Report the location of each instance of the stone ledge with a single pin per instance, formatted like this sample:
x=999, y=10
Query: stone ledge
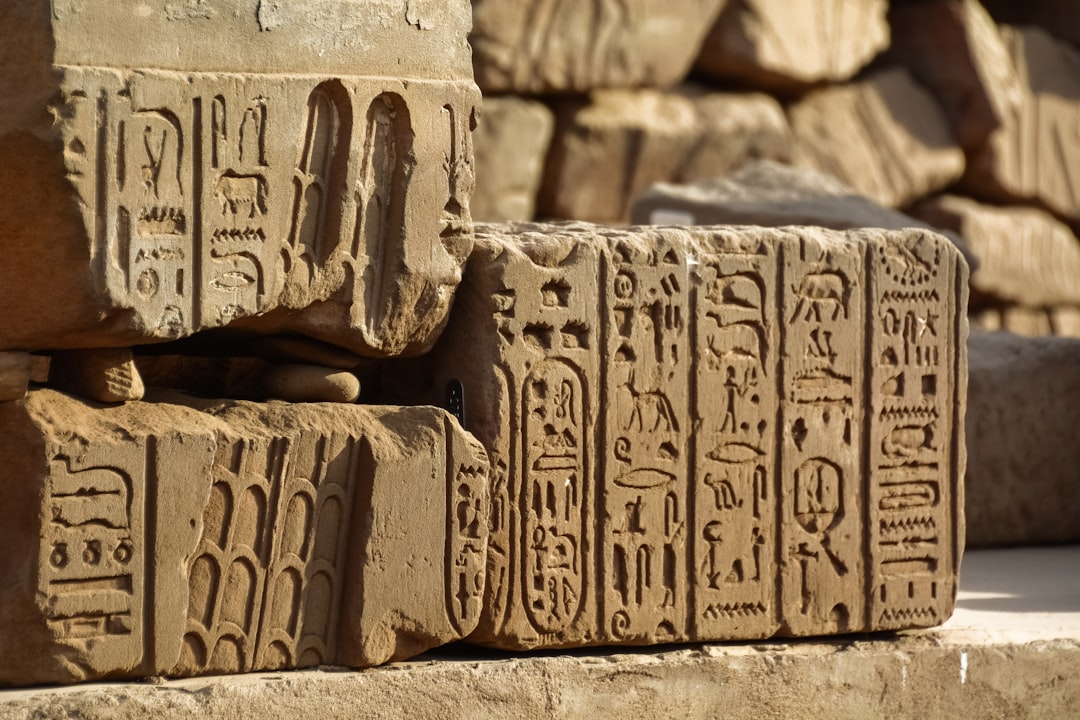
x=1011, y=650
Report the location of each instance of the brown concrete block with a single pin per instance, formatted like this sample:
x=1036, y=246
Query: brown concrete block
x=1025, y=256
x=885, y=136
x=955, y=49
x=713, y=433
x=777, y=45
x=185, y=537
x=304, y=168
x=1034, y=156
x=768, y=193
x=511, y=144
x=611, y=148
x=569, y=46
x=1023, y=472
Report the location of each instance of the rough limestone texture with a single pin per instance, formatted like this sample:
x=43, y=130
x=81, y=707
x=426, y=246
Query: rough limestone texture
x=611, y=148
x=885, y=136
x=186, y=537
x=712, y=433
x=511, y=144
x=561, y=46
x=302, y=167
x=1026, y=256
x=787, y=46
x=1023, y=476
x=955, y=49
x=15, y=372
x=1035, y=156
x=107, y=375
x=769, y=193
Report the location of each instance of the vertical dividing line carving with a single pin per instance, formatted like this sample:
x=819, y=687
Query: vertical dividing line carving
x=778, y=457
x=102, y=186
x=957, y=454
x=150, y=506
x=599, y=477
x=449, y=520
x=196, y=212
x=868, y=426
x=692, y=458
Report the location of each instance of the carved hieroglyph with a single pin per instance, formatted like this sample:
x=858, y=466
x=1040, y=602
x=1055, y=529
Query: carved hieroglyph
x=581, y=45
x=713, y=433
x=187, y=537
x=309, y=172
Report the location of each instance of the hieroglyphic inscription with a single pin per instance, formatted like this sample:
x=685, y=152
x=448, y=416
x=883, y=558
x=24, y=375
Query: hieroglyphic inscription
x=644, y=497
x=227, y=196
x=266, y=582
x=820, y=520
x=467, y=510
x=735, y=492
x=913, y=435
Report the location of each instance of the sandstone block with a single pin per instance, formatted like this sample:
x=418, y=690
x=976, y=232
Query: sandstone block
x=1035, y=156
x=104, y=374
x=1025, y=255
x=768, y=193
x=712, y=433
x=777, y=45
x=511, y=144
x=613, y=147
x=1023, y=466
x=955, y=49
x=885, y=136
x=15, y=372
x=311, y=383
x=304, y=168
x=185, y=537
x=570, y=46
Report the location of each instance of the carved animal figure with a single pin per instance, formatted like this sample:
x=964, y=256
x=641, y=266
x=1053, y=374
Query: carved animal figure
x=235, y=193
x=822, y=291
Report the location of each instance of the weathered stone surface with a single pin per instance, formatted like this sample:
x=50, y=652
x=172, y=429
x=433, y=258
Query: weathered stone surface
x=107, y=375
x=1011, y=650
x=15, y=371
x=184, y=537
x=1025, y=255
x=885, y=136
x=1023, y=477
x=786, y=46
x=768, y=193
x=578, y=46
x=954, y=47
x=613, y=147
x=295, y=167
x=311, y=383
x=712, y=433
x=511, y=144
x=1057, y=17
x=1035, y=156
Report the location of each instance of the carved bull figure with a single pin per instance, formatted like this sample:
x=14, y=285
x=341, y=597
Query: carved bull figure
x=824, y=290
x=235, y=193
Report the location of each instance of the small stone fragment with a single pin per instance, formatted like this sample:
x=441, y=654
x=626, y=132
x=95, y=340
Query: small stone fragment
x=310, y=383
x=768, y=193
x=955, y=49
x=15, y=371
x=788, y=46
x=511, y=145
x=183, y=537
x=108, y=375
x=613, y=147
x=559, y=46
x=1023, y=478
x=712, y=433
x=885, y=136
x=1025, y=256
x=1035, y=156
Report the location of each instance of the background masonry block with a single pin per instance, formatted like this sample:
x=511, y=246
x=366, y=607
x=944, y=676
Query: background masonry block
x=713, y=433
x=304, y=168
x=185, y=537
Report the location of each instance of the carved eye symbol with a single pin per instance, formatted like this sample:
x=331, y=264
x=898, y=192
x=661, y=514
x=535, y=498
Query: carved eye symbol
x=92, y=552
x=59, y=557
x=123, y=552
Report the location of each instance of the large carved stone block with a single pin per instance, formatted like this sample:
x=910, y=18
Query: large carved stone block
x=188, y=537
x=305, y=167
x=713, y=433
